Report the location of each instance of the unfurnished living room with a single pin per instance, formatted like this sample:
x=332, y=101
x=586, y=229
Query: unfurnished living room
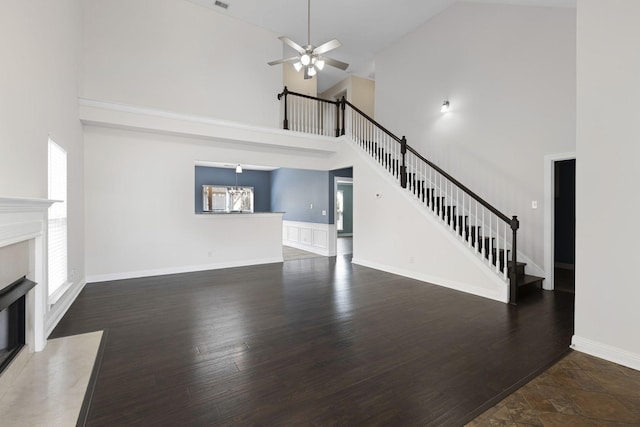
x=315, y=212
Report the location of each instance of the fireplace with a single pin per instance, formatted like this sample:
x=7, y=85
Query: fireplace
x=13, y=319
x=23, y=228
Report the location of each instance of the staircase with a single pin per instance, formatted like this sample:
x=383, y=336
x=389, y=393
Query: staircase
x=490, y=234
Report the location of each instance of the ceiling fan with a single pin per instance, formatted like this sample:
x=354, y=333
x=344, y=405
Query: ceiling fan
x=311, y=58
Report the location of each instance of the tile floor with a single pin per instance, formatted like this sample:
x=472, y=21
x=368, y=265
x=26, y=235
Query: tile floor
x=580, y=390
x=50, y=388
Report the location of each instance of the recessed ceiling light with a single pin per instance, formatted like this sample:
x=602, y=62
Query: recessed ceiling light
x=221, y=4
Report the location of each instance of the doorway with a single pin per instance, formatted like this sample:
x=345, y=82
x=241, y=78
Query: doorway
x=564, y=242
x=344, y=215
x=559, y=219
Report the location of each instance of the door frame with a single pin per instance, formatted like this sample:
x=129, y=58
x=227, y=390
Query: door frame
x=549, y=214
x=336, y=180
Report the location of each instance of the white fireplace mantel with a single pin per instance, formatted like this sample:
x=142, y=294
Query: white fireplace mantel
x=25, y=219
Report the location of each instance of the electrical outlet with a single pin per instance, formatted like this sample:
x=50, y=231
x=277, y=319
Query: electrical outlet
x=412, y=260
x=72, y=275
x=311, y=206
x=324, y=213
x=534, y=204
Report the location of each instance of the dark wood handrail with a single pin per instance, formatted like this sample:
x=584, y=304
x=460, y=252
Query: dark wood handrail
x=462, y=187
x=302, y=95
x=376, y=124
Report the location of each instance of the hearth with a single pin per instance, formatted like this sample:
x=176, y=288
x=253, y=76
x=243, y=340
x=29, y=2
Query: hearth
x=13, y=319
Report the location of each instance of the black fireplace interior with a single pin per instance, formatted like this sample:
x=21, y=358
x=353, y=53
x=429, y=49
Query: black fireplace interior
x=12, y=319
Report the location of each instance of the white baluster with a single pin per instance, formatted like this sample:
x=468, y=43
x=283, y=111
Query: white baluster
x=483, y=234
x=497, y=244
x=294, y=112
x=477, y=232
x=457, y=209
x=504, y=271
x=451, y=208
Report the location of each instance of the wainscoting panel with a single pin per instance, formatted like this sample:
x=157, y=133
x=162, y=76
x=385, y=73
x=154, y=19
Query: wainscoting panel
x=320, y=239
x=309, y=236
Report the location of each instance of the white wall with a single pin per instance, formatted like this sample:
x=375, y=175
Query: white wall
x=360, y=92
x=178, y=56
x=295, y=81
x=40, y=51
x=140, y=204
x=607, y=177
x=509, y=73
x=393, y=232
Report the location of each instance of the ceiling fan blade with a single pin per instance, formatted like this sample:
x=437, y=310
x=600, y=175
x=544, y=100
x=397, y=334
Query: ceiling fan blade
x=326, y=47
x=334, y=62
x=289, y=60
x=291, y=43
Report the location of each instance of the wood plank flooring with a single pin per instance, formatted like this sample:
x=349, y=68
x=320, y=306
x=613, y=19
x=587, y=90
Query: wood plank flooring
x=309, y=342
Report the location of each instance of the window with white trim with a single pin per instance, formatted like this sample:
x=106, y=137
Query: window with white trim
x=57, y=226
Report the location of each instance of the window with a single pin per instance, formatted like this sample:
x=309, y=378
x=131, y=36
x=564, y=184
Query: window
x=57, y=233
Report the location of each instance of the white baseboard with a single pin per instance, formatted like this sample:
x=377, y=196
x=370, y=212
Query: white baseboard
x=607, y=352
x=61, y=306
x=308, y=248
x=501, y=295
x=176, y=270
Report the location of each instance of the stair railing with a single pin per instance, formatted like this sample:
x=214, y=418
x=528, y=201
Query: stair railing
x=309, y=114
x=485, y=229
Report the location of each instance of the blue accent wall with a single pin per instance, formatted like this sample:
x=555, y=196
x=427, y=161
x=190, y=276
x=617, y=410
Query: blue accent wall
x=259, y=180
x=294, y=191
x=342, y=173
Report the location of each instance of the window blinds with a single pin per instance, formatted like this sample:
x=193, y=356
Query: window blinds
x=57, y=232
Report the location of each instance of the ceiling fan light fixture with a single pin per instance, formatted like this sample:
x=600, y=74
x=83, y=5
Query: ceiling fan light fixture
x=310, y=55
x=312, y=71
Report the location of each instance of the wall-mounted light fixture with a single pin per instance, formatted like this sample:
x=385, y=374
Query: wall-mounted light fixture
x=445, y=106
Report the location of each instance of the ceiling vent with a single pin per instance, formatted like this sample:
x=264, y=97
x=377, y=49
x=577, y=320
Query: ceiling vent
x=221, y=4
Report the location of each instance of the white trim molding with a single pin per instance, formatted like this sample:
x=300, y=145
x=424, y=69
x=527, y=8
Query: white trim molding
x=143, y=119
x=607, y=352
x=62, y=304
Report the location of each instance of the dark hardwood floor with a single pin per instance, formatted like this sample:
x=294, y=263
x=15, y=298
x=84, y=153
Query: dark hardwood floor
x=309, y=342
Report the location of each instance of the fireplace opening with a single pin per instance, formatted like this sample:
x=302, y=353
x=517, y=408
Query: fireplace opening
x=13, y=319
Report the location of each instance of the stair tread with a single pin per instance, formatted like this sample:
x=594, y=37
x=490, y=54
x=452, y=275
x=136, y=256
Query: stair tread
x=529, y=279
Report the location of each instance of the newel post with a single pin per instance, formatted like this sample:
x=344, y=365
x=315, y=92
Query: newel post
x=285, y=122
x=513, y=276
x=403, y=167
x=343, y=106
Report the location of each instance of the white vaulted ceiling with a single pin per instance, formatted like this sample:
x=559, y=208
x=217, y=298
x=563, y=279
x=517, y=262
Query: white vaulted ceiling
x=363, y=26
